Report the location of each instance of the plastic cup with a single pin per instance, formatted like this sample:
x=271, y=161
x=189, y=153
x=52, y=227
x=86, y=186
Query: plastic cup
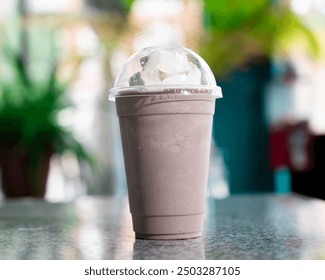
x=165, y=100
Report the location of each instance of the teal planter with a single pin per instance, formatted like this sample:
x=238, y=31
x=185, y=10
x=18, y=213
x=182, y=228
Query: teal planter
x=240, y=130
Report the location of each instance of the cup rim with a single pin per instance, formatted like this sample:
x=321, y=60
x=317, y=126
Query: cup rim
x=168, y=89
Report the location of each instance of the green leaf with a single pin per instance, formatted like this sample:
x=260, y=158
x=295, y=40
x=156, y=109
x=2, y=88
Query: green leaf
x=237, y=32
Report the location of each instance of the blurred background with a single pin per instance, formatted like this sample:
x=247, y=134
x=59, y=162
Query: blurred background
x=59, y=134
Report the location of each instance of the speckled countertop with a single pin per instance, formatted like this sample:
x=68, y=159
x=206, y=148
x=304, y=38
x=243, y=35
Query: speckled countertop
x=240, y=227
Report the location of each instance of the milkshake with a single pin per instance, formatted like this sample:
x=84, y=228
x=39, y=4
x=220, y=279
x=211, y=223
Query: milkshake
x=165, y=100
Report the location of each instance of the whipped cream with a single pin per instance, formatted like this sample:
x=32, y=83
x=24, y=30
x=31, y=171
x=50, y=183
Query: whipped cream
x=163, y=67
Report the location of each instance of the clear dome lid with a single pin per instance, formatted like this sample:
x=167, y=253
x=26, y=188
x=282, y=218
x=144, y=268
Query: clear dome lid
x=165, y=69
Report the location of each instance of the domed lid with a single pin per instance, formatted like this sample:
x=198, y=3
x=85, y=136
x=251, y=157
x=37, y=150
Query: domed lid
x=165, y=69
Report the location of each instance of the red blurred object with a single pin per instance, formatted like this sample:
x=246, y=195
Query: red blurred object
x=291, y=146
x=278, y=148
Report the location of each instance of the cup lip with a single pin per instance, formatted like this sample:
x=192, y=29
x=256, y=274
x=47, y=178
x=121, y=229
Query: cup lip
x=168, y=89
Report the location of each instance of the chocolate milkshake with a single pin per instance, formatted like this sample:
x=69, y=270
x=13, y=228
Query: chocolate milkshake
x=166, y=137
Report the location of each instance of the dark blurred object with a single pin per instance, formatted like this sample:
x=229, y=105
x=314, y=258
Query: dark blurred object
x=311, y=182
x=295, y=147
x=29, y=129
x=240, y=129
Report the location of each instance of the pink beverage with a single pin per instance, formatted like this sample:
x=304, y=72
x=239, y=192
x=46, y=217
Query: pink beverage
x=165, y=114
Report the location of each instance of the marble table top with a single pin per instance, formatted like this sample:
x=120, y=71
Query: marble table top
x=260, y=226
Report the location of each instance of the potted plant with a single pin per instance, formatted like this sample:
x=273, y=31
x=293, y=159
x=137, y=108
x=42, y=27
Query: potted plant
x=29, y=130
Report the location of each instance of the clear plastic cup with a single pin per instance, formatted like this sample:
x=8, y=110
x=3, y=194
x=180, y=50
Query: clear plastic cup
x=165, y=99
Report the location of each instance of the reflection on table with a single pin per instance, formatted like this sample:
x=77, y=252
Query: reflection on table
x=239, y=227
